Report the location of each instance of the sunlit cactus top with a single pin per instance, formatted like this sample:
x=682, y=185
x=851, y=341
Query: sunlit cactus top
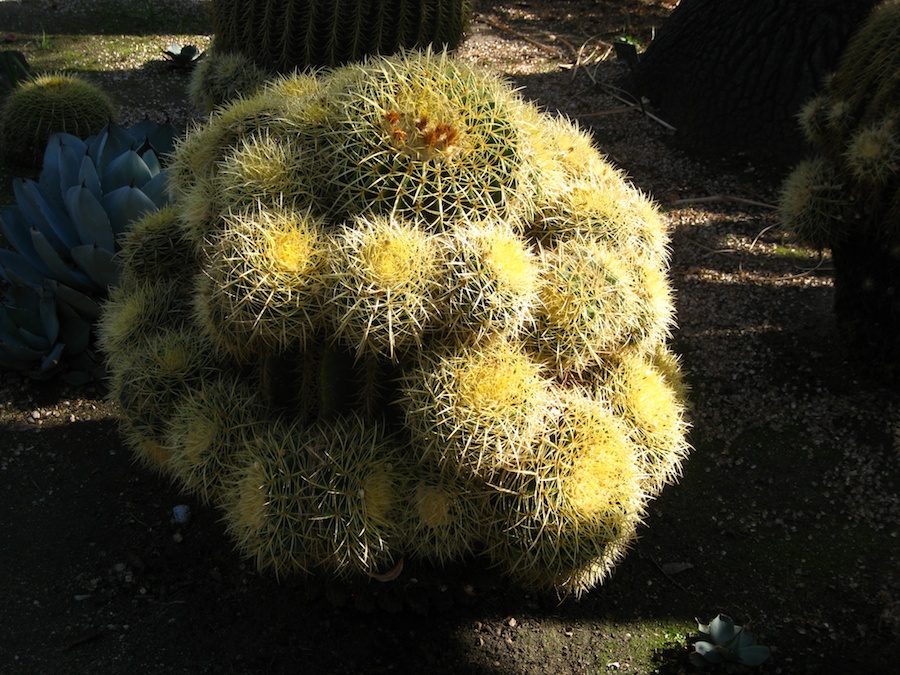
x=409, y=316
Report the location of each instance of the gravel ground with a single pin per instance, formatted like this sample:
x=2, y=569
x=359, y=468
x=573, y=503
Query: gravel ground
x=788, y=512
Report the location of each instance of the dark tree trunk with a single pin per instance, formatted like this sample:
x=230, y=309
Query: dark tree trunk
x=731, y=75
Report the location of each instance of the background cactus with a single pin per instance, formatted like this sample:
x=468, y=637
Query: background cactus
x=846, y=197
x=283, y=35
x=38, y=108
x=222, y=76
x=259, y=39
x=64, y=232
x=404, y=382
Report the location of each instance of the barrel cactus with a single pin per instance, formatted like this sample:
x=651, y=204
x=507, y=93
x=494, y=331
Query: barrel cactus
x=40, y=107
x=394, y=310
x=221, y=77
x=846, y=196
x=267, y=37
x=282, y=35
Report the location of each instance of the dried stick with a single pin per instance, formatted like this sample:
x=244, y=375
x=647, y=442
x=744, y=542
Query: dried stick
x=721, y=198
x=522, y=36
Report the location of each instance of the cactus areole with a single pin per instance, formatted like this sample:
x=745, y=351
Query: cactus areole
x=396, y=311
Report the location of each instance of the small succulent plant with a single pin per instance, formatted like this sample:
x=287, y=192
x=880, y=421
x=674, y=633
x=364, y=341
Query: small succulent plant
x=725, y=644
x=64, y=233
x=64, y=225
x=182, y=56
x=36, y=331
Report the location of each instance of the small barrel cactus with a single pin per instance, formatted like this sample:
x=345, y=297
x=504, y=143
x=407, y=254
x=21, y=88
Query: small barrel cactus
x=394, y=310
x=846, y=196
x=221, y=77
x=38, y=108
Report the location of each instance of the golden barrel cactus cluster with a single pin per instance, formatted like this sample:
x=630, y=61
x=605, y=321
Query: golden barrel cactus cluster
x=396, y=311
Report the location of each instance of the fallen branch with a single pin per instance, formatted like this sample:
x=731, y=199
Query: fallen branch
x=522, y=36
x=721, y=198
x=632, y=105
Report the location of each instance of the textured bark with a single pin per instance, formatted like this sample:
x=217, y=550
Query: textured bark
x=731, y=75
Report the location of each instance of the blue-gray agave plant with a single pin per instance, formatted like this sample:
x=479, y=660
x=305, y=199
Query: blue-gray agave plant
x=64, y=231
x=36, y=332
x=723, y=643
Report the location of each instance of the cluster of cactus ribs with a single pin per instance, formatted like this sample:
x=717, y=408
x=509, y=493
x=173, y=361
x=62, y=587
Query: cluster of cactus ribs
x=393, y=310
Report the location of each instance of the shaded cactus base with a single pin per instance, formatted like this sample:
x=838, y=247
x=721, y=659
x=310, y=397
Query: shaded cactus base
x=439, y=331
x=847, y=196
x=867, y=302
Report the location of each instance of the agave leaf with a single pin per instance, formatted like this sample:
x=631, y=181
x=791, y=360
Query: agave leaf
x=710, y=652
x=151, y=160
x=98, y=263
x=61, y=148
x=16, y=270
x=49, y=317
x=52, y=200
x=24, y=338
x=744, y=638
x=84, y=305
x=18, y=233
x=30, y=315
x=38, y=213
x=754, y=655
x=74, y=330
x=112, y=142
x=90, y=218
x=126, y=169
x=721, y=629
x=163, y=139
x=141, y=131
x=61, y=271
x=70, y=168
x=49, y=364
x=64, y=151
x=18, y=357
x=89, y=178
x=11, y=333
x=126, y=205
x=157, y=189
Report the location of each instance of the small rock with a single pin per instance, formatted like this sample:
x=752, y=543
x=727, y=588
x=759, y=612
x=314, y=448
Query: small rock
x=181, y=513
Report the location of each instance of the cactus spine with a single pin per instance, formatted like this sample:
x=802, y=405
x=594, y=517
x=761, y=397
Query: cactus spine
x=447, y=329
